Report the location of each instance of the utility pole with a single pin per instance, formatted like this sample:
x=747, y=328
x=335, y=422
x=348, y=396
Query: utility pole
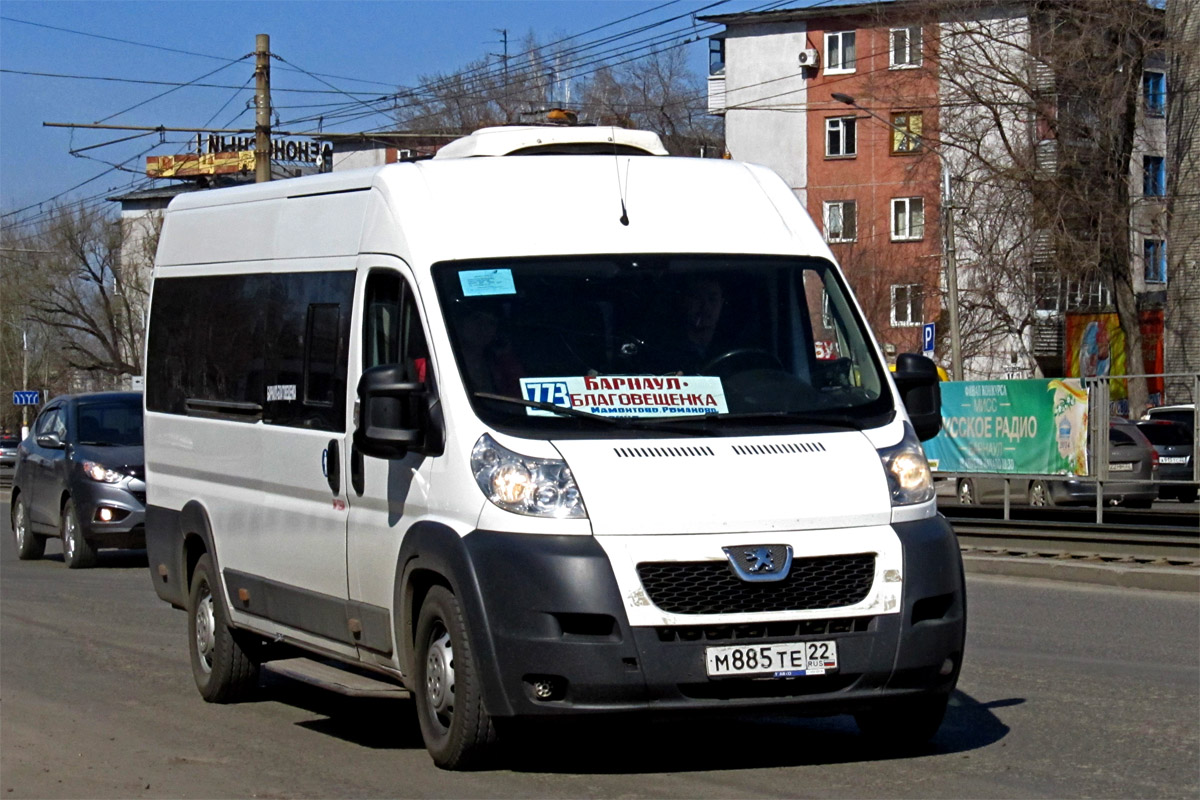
x=504, y=38
x=262, y=106
x=24, y=381
x=956, y=368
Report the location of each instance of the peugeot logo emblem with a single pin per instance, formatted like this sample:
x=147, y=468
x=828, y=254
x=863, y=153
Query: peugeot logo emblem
x=760, y=562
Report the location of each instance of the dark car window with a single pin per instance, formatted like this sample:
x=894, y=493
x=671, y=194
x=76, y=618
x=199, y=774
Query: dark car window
x=110, y=422
x=1119, y=437
x=9, y=441
x=1166, y=434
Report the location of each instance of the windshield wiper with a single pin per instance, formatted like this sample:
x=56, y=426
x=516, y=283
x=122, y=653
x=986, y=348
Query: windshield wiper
x=808, y=417
x=566, y=411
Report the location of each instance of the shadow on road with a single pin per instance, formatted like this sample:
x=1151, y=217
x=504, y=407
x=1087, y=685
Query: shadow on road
x=112, y=559
x=633, y=744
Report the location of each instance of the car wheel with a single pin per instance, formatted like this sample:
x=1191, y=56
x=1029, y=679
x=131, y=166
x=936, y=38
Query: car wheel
x=966, y=492
x=906, y=722
x=1187, y=495
x=457, y=730
x=77, y=552
x=1039, y=494
x=1141, y=504
x=30, y=546
x=223, y=670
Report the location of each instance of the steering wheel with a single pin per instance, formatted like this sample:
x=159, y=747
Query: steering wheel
x=732, y=361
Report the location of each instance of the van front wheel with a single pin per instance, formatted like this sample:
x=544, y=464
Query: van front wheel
x=457, y=730
x=223, y=671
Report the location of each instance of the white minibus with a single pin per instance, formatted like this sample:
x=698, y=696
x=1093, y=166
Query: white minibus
x=547, y=426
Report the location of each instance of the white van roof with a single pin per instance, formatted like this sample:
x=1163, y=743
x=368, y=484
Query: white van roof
x=545, y=139
x=474, y=208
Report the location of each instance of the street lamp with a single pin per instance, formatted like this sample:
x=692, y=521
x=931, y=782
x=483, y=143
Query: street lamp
x=947, y=212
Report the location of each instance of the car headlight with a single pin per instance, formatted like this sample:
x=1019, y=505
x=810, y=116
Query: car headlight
x=908, y=474
x=101, y=473
x=537, y=487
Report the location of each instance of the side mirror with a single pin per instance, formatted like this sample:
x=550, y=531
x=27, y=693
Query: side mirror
x=918, y=382
x=393, y=412
x=50, y=441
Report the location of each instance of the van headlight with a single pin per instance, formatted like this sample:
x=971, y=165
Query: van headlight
x=537, y=487
x=101, y=473
x=909, y=478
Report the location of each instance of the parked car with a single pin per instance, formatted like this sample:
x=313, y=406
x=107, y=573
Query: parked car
x=1176, y=457
x=1184, y=413
x=1132, y=468
x=80, y=475
x=8, y=456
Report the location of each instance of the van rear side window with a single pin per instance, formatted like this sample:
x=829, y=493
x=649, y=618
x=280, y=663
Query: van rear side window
x=278, y=341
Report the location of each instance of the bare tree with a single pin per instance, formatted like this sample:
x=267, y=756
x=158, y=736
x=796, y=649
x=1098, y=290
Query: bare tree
x=1039, y=114
x=657, y=92
x=86, y=299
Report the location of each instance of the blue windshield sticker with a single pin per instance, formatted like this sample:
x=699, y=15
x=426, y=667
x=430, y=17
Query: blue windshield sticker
x=481, y=282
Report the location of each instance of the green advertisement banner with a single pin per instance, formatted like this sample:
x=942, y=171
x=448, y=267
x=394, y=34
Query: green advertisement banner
x=1035, y=427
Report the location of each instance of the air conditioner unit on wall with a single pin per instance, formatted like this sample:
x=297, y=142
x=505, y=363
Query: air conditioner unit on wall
x=810, y=58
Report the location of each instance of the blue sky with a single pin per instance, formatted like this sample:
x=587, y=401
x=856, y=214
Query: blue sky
x=366, y=47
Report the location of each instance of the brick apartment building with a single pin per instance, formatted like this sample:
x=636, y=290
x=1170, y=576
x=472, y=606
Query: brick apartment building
x=855, y=106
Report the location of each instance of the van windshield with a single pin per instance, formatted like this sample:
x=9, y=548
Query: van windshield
x=660, y=341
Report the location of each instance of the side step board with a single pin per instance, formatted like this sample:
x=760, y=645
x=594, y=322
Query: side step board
x=336, y=679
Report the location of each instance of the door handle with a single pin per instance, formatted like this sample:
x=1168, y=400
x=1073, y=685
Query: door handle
x=333, y=467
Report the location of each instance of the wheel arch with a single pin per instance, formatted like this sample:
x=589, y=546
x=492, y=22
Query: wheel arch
x=433, y=554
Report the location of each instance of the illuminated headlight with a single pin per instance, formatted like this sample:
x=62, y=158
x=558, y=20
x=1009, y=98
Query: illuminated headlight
x=909, y=478
x=537, y=487
x=101, y=473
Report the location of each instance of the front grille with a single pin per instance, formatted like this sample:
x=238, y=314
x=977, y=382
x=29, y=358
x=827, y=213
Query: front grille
x=711, y=587
x=779, y=630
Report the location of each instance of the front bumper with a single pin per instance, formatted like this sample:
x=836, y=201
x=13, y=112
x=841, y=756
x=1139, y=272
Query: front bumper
x=555, y=617
x=125, y=502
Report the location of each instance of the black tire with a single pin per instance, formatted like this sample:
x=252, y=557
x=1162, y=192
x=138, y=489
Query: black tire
x=223, y=671
x=966, y=492
x=30, y=546
x=1187, y=495
x=1040, y=494
x=1141, y=504
x=78, y=552
x=904, y=723
x=458, y=731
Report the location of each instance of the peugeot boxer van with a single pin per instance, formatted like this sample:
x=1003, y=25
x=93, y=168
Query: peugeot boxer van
x=549, y=425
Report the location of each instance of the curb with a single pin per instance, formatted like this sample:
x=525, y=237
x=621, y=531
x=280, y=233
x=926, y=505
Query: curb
x=1126, y=576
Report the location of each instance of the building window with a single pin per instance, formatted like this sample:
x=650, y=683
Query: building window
x=839, y=51
x=716, y=56
x=840, y=139
x=1154, y=176
x=908, y=218
x=906, y=305
x=906, y=47
x=841, y=221
x=1154, y=91
x=906, y=132
x=1155, y=251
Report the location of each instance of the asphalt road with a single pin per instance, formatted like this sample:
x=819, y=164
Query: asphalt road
x=1067, y=691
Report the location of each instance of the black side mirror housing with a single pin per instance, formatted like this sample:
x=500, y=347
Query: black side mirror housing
x=51, y=441
x=918, y=382
x=393, y=415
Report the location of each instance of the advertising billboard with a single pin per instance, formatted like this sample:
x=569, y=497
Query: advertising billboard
x=1096, y=347
x=1027, y=427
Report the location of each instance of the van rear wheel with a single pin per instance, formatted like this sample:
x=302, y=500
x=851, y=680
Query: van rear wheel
x=224, y=672
x=458, y=731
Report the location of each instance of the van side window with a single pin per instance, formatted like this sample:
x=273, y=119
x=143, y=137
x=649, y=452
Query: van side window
x=392, y=326
x=279, y=341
